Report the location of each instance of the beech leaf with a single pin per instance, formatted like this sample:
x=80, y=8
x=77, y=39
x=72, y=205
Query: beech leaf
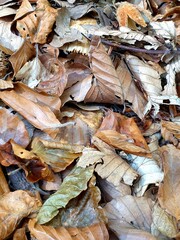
x=14, y=206
x=168, y=193
x=72, y=186
x=92, y=232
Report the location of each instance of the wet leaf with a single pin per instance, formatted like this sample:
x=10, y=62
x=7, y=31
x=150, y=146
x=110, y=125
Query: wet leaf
x=10, y=216
x=71, y=187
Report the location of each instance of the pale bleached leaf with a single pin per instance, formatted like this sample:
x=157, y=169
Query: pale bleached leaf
x=165, y=29
x=130, y=217
x=7, y=38
x=148, y=77
x=128, y=35
x=32, y=73
x=171, y=69
x=149, y=171
x=163, y=222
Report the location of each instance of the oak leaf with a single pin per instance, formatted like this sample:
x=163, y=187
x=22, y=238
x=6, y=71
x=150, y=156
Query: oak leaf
x=14, y=206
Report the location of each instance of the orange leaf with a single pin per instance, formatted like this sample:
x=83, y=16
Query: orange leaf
x=127, y=10
x=93, y=232
x=14, y=206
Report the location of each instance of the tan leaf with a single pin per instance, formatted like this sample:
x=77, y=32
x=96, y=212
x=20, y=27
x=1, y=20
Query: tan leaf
x=168, y=193
x=57, y=158
x=170, y=132
x=37, y=24
x=6, y=84
x=11, y=127
x=93, y=232
x=25, y=53
x=56, y=84
x=20, y=234
x=14, y=206
x=127, y=10
x=24, y=9
x=121, y=141
x=164, y=222
x=106, y=86
x=131, y=92
x=148, y=170
x=53, y=102
x=9, y=41
x=148, y=79
x=4, y=188
x=39, y=116
x=130, y=217
x=112, y=167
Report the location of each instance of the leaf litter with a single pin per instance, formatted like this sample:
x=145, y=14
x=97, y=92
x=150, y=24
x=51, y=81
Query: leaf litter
x=90, y=119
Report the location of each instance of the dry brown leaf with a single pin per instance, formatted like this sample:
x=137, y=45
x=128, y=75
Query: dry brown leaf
x=11, y=127
x=131, y=93
x=53, y=102
x=4, y=188
x=20, y=234
x=93, y=232
x=39, y=116
x=121, y=141
x=14, y=206
x=126, y=12
x=25, y=53
x=6, y=84
x=164, y=222
x=168, y=193
x=123, y=125
x=171, y=132
x=130, y=217
x=57, y=83
x=112, y=166
x=55, y=154
x=34, y=168
x=36, y=25
x=106, y=87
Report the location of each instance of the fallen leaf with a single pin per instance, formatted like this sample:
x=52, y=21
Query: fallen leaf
x=25, y=53
x=12, y=128
x=106, y=87
x=82, y=211
x=71, y=187
x=130, y=217
x=4, y=188
x=35, y=25
x=148, y=170
x=20, y=233
x=121, y=141
x=39, y=116
x=164, y=222
x=56, y=156
x=168, y=190
x=14, y=206
x=170, y=132
x=109, y=165
x=127, y=11
x=93, y=232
